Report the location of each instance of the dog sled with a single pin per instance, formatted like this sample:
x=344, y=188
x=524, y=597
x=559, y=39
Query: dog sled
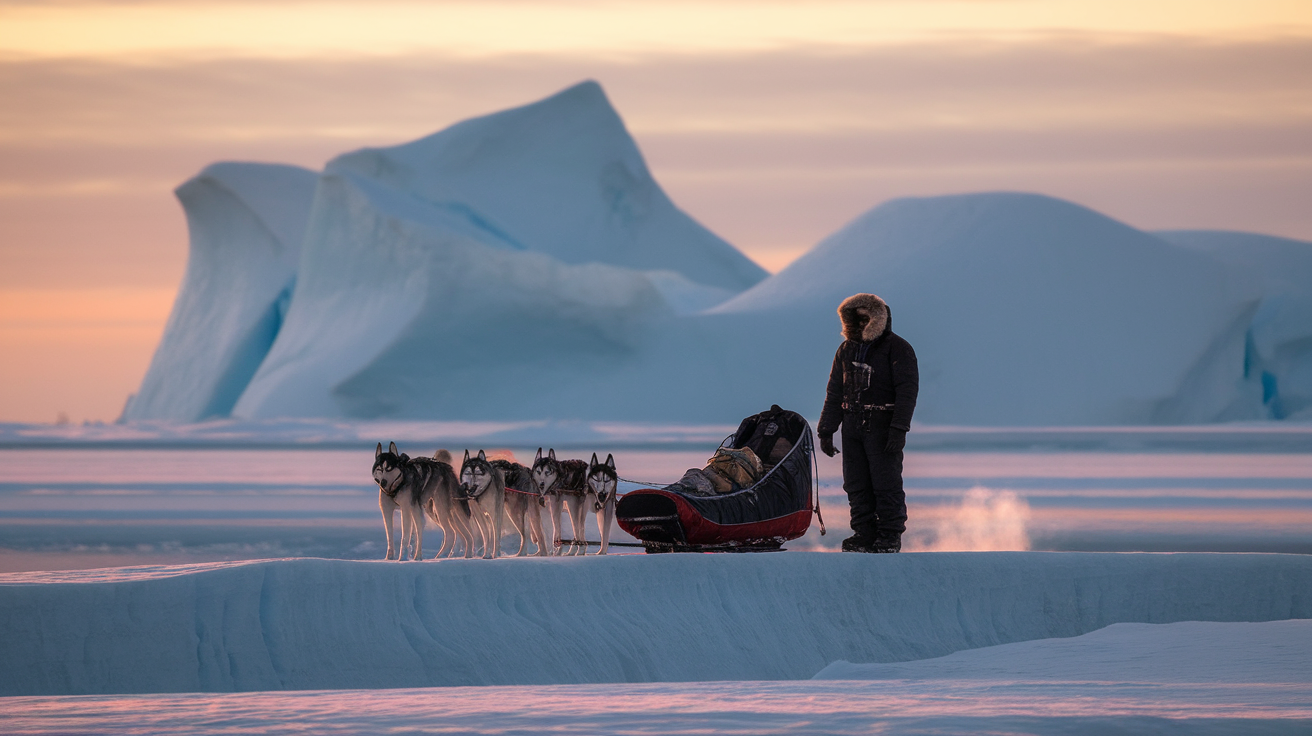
x=777, y=507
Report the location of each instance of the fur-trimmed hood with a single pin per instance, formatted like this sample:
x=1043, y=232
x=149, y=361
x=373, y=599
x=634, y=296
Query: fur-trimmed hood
x=864, y=308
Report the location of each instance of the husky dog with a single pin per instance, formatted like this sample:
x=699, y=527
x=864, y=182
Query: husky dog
x=522, y=505
x=563, y=480
x=602, y=484
x=418, y=486
x=485, y=491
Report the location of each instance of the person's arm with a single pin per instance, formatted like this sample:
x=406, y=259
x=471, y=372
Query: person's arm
x=906, y=388
x=831, y=416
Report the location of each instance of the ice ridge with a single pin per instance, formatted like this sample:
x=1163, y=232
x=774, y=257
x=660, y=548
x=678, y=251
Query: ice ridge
x=313, y=624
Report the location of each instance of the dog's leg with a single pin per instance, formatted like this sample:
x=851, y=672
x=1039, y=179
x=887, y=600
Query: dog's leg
x=604, y=519
x=475, y=533
x=466, y=525
x=407, y=528
x=467, y=529
x=436, y=514
x=574, y=505
x=449, y=534
x=499, y=504
x=582, y=534
x=553, y=515
x=484, y=527
x=535, y=527
x=418, y=513
x=490, y=524
x=476, y=527
x=387, y=506
x=516, y=511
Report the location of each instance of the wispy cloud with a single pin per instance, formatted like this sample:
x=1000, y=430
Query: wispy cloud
x=614, y=29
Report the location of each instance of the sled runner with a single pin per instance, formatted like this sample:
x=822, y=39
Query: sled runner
x=760, y=517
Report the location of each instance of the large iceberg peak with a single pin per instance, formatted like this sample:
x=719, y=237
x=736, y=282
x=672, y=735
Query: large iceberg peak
x=561, y=176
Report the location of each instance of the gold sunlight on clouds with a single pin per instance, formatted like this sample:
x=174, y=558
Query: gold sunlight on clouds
x=594, y=28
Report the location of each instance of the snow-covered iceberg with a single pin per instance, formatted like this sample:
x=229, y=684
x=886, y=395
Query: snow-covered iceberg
x=246, y=223
x=1279, y=340
x=525, y=266
x=1023, y=309
x=310, y=624
x=512, y=265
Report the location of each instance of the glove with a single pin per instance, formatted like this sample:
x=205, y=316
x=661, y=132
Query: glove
x=827, y=445
x=897, y=439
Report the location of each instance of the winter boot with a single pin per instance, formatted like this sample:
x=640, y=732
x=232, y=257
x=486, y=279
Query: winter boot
x=886, y=542
x=857, y=543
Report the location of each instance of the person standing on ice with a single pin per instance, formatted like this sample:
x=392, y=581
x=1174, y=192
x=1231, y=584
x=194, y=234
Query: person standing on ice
x=872, y=393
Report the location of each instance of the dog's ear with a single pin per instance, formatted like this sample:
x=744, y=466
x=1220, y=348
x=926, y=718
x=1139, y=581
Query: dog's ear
x=552, y=453
x=610, y=460
x=466, y=454
x=539, y=456
x=594, y=460
x=391, y=447
x=378, y=451
x=482, y=456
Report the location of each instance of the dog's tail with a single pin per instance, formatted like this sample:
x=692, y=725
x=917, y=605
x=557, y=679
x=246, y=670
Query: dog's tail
x=442, y=456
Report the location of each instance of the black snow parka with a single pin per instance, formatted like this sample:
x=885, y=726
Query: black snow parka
x=894, y=379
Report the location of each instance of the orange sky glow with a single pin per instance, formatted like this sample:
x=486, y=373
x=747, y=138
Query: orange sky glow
x=773, y=123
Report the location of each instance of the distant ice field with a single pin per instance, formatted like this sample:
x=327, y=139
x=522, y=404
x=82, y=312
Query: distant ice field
x=939, y=707
x=85, y=502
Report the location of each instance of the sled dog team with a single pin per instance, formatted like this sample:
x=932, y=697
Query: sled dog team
x=470, y=507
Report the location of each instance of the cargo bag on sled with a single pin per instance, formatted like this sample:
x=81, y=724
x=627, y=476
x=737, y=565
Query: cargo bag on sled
x=773, y=509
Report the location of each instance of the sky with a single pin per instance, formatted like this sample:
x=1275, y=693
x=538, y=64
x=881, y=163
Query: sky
x=772, y=123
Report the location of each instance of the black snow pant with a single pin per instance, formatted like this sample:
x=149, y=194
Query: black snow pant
x=873, y=478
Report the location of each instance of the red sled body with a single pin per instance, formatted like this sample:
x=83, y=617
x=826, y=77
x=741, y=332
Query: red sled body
x=771, y=511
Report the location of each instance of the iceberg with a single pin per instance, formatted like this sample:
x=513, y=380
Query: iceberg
x=1279, y=340
x=525, y=266
x=246, y=222
x=512, y=265
x=1023, y=310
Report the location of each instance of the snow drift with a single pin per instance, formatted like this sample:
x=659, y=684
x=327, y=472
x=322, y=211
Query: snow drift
x=246, y=223
x=1189, y=651
x=309, y=624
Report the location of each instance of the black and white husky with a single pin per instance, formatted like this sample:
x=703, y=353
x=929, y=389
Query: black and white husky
x=485, y=491
x=563, y=482
x=418, y=487
x=522, y=506
x=602, y=486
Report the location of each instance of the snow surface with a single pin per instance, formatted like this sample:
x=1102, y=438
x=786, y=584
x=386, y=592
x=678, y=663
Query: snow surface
x=1279, y=340
x=309, y=624
x=246, y=223
x=1269, y=436
x=1191, y=651
x=831, y=707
